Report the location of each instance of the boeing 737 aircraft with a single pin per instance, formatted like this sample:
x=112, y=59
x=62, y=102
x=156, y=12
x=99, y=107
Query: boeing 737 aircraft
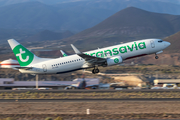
x=113, y=55
x=63, y=53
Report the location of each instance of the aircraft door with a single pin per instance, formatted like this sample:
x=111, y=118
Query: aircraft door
x=152, y=44
x=44, y=68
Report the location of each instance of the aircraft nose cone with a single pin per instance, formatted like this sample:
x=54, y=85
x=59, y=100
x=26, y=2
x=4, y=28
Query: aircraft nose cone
x=167, y=43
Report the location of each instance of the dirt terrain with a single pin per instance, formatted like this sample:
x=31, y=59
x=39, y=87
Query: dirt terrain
x=98, y=110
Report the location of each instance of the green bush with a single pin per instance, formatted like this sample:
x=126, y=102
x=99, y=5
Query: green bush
x=59, y=118
x=28, y=92
x=48, y=118
x=9, y=118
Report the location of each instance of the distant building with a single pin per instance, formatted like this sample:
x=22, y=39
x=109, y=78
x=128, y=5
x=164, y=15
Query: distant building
x=160, y=82
x=9, y=83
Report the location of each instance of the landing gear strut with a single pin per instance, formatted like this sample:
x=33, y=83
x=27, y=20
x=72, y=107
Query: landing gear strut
x=95, y=70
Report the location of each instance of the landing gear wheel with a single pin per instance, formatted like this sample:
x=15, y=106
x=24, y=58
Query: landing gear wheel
x=97, y=70
x=94, y=71
x=156, y=57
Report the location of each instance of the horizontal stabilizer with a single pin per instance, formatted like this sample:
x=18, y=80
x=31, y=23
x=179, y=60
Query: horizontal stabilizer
x=25, y=68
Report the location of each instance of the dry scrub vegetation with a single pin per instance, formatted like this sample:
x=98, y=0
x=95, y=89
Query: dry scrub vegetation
x=92, y=95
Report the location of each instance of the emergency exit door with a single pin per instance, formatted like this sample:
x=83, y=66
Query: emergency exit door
x=152, y=44
x=44, y=68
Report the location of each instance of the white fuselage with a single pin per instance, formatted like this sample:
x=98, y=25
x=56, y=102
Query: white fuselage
x=75, y=62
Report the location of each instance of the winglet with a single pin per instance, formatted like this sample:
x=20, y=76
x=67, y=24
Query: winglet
x=75, y=49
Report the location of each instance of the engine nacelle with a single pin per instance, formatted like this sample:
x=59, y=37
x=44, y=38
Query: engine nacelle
x=114, y=60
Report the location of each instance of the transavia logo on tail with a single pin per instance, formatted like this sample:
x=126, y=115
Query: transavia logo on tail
x=23, y=56
x=116, y=60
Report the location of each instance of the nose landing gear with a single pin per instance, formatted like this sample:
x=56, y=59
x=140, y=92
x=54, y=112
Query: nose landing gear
x=156, y=57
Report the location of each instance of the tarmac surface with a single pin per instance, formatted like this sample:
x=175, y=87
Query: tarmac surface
x=89, y=91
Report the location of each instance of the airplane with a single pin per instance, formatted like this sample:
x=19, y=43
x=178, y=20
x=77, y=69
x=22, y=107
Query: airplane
x=108, y=56
x=63, y=53
x=81, y=83
x=10, y=63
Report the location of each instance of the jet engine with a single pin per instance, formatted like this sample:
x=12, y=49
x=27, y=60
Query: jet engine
x=114, y=60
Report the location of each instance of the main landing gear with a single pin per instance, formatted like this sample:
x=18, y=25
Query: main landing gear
x=95, y=70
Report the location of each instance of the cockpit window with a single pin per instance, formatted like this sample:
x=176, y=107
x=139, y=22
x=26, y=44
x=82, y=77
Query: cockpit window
x=160, y=41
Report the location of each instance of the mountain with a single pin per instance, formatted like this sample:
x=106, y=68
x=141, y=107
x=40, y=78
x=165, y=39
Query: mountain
x=73, y=15
x=18, y=34
x=48, y=2
x=175, y=43
x=127, y=25
x=51, y=2
x=85, y=14
x=32, y=15
x=49, y=35
x=168, y=1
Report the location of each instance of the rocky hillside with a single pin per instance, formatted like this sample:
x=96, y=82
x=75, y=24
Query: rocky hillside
x=175, y=43
x=49, y=35
x=127, y=25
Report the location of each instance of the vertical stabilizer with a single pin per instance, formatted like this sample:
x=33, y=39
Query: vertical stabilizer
x=23, y=55
x=63, y=53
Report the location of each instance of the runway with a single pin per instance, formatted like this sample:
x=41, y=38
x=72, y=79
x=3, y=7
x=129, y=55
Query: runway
x=91, y=91
x=89, y=100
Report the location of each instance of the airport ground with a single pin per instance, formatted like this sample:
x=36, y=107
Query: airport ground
x=149, y=108
x=73, y=105
x=162, y=71
x=110, y=110
x=90, y=94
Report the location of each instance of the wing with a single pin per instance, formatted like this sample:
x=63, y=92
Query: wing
x=91, y=60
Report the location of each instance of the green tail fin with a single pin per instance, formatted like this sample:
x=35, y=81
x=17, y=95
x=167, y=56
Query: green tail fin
x=23, y=55
x=63, y=53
